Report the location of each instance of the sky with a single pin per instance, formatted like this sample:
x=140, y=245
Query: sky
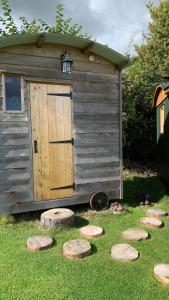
x=111, y=22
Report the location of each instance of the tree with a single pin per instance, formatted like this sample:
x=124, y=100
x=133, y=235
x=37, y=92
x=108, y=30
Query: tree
x=61, y=26
x=147, y=69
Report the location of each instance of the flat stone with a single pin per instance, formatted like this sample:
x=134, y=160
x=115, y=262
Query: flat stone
x=135, y=234
x=151, y=222
x=124, y=252
x=76, y=249
x=37, y=243
x=91, y=231
x=56, y=217
x=161, y=273
x=155, y=212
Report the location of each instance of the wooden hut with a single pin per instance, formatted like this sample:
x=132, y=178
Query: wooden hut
x=60, y=121
x=161, y=103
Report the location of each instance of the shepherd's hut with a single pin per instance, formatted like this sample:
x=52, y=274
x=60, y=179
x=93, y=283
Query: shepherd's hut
x=161, y=103
x=60, y=122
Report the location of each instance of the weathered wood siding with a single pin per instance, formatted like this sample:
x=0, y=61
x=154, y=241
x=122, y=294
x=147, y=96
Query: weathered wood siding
x=15, y=156
x=96, y=118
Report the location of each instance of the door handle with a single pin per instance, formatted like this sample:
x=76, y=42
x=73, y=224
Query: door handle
x=35, y=146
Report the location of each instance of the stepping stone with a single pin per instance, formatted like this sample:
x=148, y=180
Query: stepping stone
x=161, y=273
x=124, y=252
x=37, y=243
x=135, y=234
x=91, y=231
x=58, y=216
x=76, y=249
x=155, y=212
x=151, y=222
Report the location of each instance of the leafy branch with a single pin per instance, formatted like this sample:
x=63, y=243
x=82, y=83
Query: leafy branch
x=61, y=26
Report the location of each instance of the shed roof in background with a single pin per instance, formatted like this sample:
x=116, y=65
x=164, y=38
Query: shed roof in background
x=161, y=93
x=68, y=40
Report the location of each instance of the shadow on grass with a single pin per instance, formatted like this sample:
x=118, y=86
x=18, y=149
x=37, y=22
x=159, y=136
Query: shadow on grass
x=27, y=216
x=94, y=249
x=35, y=215
x=133, y=185
x=80, y=222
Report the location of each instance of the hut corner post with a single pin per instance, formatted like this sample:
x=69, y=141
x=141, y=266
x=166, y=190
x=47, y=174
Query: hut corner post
x=121, y=135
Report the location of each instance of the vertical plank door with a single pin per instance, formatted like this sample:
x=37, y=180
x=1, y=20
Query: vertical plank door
x=51, y=118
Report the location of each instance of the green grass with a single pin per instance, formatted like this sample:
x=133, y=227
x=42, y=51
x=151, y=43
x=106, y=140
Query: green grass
x=47, y=275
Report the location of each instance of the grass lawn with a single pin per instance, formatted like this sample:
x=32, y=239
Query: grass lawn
x=47, y=275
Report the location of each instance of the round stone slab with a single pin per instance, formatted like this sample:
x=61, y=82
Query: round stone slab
x=151, y=222
x=161, y=273
x=91, y=231
x=58, y=216
x=76, y=249
x=135, y=234
x=36, y=243
x=124, y=252
x=155, y=212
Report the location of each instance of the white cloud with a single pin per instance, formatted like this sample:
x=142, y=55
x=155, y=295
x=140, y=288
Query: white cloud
x=111, y=22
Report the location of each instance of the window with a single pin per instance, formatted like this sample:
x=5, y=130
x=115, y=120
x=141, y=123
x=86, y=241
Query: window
x=13, y=93
x=162, y=119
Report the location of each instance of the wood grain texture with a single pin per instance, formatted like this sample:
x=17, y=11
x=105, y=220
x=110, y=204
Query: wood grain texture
x=96, y=167
x=97, y=148
x=80, y=97
x=53, y=162
x=96, y=121
x=15, y=206
x=95, y=108
x=15, y=176
x=14, y=139
x=96, y=128
x=14, y=151
x=51, y=51
x=80, y=118
x=97, y=186
x=96, y=138
x=13, y=127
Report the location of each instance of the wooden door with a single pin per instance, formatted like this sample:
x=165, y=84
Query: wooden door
x=51, y=117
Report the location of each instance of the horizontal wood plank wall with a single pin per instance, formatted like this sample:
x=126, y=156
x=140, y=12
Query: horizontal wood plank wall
x=96, y=112
x=15, y=157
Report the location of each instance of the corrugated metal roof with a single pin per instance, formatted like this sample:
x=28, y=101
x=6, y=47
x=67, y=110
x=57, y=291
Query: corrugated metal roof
x=68, y=40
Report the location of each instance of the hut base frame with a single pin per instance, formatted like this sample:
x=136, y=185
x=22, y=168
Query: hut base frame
x=48, y=204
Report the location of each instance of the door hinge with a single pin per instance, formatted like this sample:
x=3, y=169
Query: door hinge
x=63, y=142
x=64, y=187
x=61, y=94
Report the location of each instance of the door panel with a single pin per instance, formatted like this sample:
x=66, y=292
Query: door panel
x=51, y=123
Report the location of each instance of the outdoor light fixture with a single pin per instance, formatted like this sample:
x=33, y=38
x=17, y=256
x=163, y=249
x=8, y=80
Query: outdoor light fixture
x=91, y=58
x=66, y=63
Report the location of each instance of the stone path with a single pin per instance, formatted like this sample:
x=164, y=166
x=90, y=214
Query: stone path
x=36, y=243
x=76, y=249
x=58, y=216
x=124, y=252
x=161, y=273
x=135, y=234
x=91, y=231
x=151, y=222
x=155, y=212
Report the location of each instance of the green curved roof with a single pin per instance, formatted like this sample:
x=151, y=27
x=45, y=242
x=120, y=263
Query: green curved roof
x=68, y=40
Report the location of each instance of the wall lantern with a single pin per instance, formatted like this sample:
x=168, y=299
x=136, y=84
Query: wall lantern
x=66, y=63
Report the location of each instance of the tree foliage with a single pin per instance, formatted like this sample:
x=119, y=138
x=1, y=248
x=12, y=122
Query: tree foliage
x=147, y=69
x=61, y=26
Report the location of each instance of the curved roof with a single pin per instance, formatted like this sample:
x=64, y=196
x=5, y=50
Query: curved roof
x=68, y=40
x=161, y=93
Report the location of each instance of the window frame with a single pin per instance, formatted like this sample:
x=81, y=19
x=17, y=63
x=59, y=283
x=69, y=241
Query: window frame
x=162, y=118
x=4, y=94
